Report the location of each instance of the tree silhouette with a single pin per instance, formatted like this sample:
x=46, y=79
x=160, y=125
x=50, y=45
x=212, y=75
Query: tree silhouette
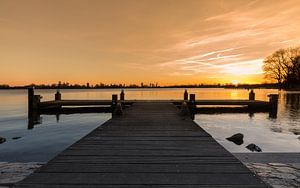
x=284, y=67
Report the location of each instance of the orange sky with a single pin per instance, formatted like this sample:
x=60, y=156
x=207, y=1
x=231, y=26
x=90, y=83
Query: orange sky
x=133, y=41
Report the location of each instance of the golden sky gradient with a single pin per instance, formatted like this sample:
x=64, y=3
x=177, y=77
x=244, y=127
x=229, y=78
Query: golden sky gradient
x=133, y=41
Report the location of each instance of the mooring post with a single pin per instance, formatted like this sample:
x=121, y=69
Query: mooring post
x=114, y=101
x=122, y=95
x=30, y=101
x=57, y=95
x=185, y=95
x=184, y=110
x=273, y=100
x=33, y=108
x=252, y=95
x=33, y=102
x=192, y=105
x=118, y=111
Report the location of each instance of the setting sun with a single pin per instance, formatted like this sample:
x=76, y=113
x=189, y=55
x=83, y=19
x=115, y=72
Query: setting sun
x=235, y=82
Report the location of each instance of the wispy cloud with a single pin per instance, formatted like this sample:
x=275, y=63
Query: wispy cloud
x=246, y=35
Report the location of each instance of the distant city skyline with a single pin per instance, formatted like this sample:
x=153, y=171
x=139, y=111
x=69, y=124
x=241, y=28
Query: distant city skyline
x=132, y=41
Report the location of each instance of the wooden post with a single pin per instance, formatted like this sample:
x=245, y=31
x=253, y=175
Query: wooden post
x=192, y=98
x=30, y=101
x=122, y=95
x=273, y=100
x=252, y=95
x=33, y=108
x=114, y=101
x=185, y=95
x=57, y=95
x=192, y=105
x=184, y=110
x=33, y=102
x=36, y=102
x=118, y=111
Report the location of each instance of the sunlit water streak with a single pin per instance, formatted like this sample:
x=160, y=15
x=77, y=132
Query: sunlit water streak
x=49, y=138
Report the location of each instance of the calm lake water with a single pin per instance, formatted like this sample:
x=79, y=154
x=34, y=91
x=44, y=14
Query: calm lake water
x=50, y=137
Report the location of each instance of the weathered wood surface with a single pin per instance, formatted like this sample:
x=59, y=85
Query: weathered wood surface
x=150, y=146
x=109, y=102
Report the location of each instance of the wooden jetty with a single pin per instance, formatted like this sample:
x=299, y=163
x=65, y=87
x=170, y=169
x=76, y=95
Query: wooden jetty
x=148, y=145
x=35, y=105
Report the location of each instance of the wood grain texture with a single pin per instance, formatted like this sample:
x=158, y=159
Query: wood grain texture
x=149, y=146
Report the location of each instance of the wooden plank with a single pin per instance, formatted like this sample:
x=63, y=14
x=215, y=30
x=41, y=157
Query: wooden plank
x=231, y=102
x=142, y=178
x=113, y=159
x=146, y=143
x=137, y=186
x=146, y=138
x=140, y=168
x=80, y=102
x=150, y=146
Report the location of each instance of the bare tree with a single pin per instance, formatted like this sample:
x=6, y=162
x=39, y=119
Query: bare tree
x=283, y=66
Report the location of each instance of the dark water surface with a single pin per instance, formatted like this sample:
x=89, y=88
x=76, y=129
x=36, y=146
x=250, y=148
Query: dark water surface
x=46, y=140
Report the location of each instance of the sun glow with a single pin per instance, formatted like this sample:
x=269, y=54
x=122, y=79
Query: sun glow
x=235, y=82
x=109, y=42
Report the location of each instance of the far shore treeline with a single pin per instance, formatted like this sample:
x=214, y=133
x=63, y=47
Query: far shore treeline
x=105, y=86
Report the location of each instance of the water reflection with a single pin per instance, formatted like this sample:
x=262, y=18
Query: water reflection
x=292, y=108
x=45, y=141
x=270, y=134
x=36, y=118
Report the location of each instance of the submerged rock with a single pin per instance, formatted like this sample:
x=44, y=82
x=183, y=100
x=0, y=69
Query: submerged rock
x=15, y=138
x=253, y=147
x=2, y=140
x=237, y=138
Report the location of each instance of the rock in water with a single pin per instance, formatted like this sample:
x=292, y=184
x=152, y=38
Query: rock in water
x=15, y=138
x=253, y=147
x=2, y=140
x=237, y=138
